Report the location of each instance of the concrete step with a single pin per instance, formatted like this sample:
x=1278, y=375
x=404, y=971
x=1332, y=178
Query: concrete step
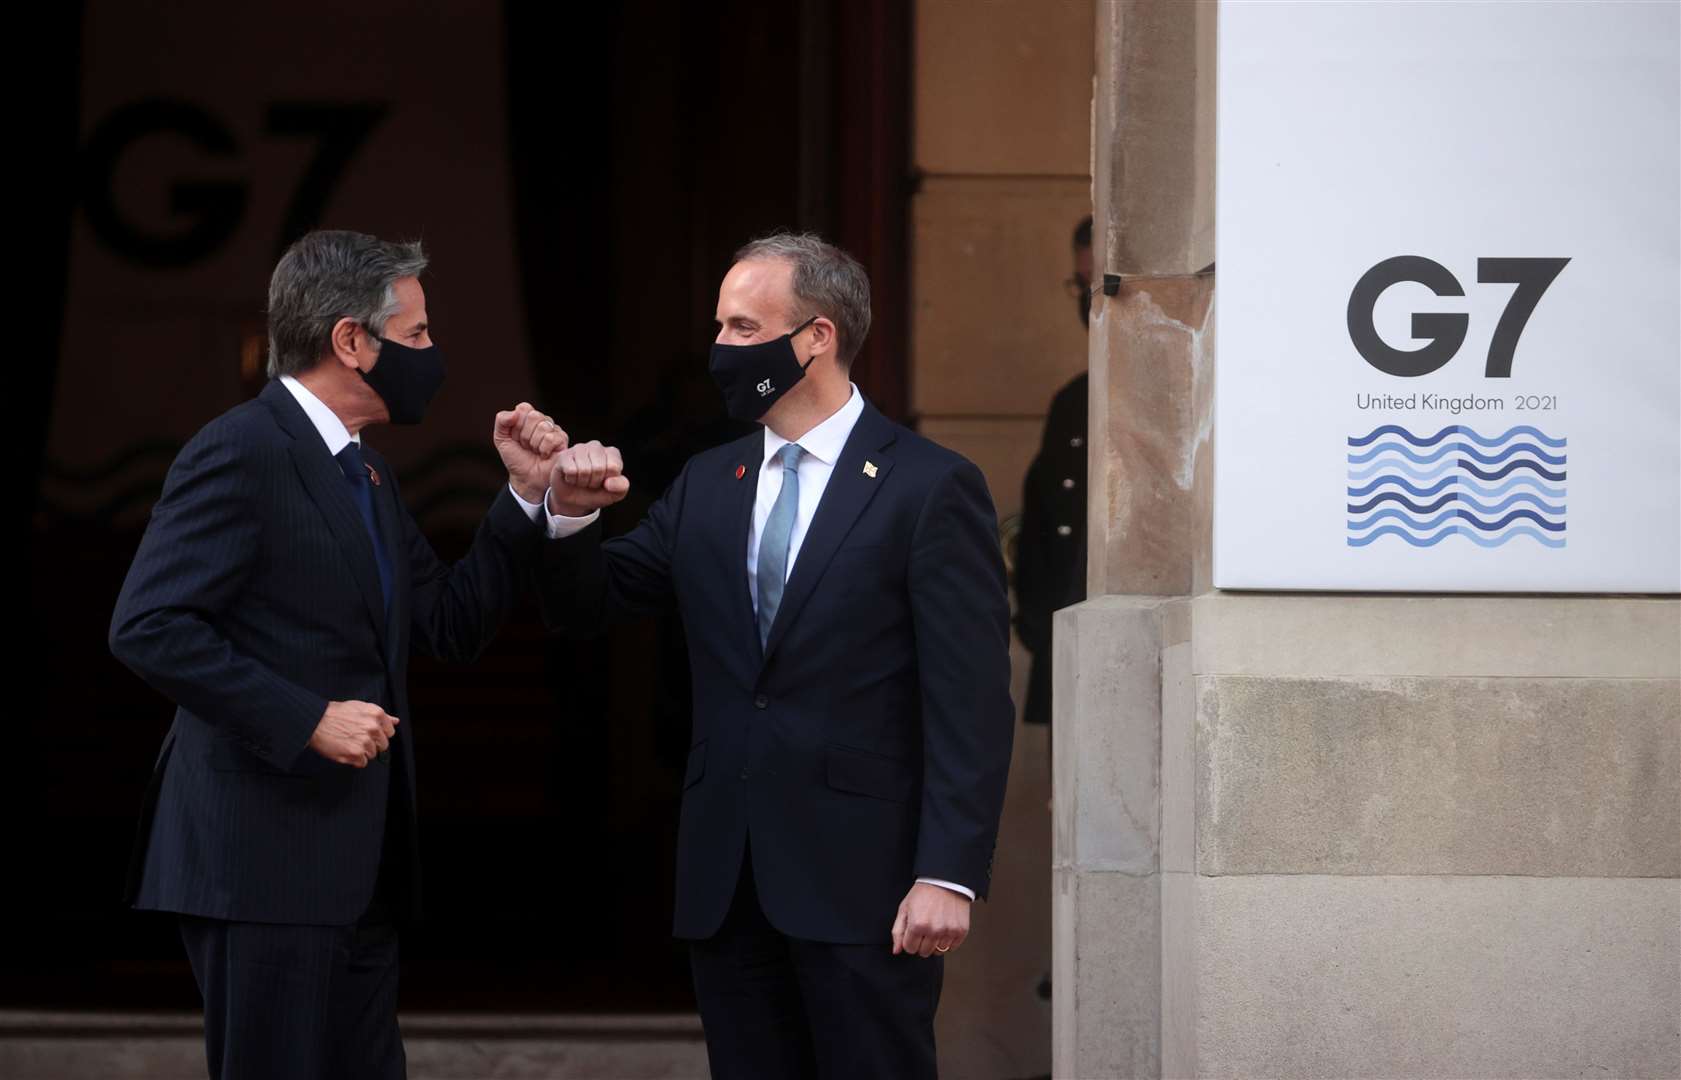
x=440, y=1046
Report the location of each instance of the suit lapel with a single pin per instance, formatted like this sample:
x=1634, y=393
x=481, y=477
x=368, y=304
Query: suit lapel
x=850, y=490
x=324, y=481
x=747, y=464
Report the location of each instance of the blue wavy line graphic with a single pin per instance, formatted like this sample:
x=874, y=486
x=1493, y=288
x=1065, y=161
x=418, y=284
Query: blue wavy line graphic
x=1507, y=469
x=1464, y=516
x=1397, y=497
x=1421, y=492
x=1456, y=530
x=1439, y=469
x=1406, y=519
x=1476, y=504
x=1424, y=490
x=1456, y=447
x=1456, y=429
x=1485, y=490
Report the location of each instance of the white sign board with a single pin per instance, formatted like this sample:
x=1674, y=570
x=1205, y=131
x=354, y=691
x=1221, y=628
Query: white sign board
x=1449, y=310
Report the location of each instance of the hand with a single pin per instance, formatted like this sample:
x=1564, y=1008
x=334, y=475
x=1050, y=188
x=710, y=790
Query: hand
x=931, y=920
x=528, y=441
x=353, y=732
x=586, y=478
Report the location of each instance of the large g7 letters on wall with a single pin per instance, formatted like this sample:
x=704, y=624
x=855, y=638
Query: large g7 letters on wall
x=213, y=208
x=1445, y=333
x=1448, y=347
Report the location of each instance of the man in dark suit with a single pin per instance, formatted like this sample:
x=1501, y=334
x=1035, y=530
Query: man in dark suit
x=843, y=593
x=1051, y=550
x=274, y=598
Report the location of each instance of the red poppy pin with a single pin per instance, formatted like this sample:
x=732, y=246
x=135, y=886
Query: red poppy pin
x=740, y=471
x=373, y=474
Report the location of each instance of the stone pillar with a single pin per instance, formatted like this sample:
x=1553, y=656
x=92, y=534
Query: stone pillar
x=1151, y=342
x=1316, y=835
x=1148, y=538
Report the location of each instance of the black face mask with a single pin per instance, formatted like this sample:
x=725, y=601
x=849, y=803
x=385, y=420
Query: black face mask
x=406, y=379
x=754, y=377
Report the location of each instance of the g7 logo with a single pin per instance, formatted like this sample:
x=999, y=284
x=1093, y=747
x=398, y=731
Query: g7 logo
x=213, y=209
x=765, y=388
x=1446, y=330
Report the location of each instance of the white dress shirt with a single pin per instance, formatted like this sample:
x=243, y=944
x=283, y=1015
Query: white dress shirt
x=822, y=445
x=326, y=421
x=337, y=436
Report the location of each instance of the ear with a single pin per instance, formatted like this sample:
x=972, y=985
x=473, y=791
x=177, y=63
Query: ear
x=352, y=346
x=824, y=337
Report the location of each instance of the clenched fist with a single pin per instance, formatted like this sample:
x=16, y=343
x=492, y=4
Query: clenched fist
x=528, y=441
x=353, y=733
x=931, y=920
x=585, y=479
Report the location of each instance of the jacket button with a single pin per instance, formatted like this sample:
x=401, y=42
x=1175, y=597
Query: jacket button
x=761, y=702
x=1068, y=484
x=1076, y=442
x=1064, y=530
x=743, y=774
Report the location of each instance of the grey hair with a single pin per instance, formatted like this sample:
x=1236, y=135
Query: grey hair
x=326, y=276
x=827, y=282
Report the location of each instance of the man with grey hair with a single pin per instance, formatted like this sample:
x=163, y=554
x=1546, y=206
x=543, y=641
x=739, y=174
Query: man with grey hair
x=274, y=598
x=840, y=582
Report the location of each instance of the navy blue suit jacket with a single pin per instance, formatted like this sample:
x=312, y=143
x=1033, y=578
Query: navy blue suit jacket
x=253, y=601
x=867, y=743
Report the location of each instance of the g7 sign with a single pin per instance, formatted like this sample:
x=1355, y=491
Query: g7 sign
x=213, y=209
x=1446, y=330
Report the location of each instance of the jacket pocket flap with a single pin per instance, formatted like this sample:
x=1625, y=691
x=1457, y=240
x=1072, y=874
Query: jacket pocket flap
x=864, y=773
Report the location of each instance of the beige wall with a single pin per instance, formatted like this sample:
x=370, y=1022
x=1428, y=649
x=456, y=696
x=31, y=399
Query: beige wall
x=1002, y=132
x=1002, y=126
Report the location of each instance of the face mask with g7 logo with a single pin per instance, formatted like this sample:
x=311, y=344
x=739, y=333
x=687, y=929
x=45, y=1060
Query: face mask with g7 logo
x=752, y=378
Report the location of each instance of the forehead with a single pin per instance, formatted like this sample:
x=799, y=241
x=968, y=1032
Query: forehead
x=411, y=298
x=756, y=285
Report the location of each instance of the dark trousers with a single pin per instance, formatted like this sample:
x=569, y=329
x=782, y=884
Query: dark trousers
x=298, y=1002
x=301, y=1002
x=776, y=1007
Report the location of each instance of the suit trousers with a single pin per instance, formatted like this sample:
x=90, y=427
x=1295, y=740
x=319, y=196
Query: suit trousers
x=777, y=1007
x=299, y=1002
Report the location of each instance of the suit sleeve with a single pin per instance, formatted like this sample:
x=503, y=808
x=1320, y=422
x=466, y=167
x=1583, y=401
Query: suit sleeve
x=458, y=608
x=962, y=621
x=198, y=551
x=588, y=583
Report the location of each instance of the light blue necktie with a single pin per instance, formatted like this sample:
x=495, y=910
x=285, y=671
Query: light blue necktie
x=774, y=541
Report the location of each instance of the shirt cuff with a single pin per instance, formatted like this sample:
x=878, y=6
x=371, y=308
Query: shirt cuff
x=559, y=526
x=530, y=508
x=952, y=885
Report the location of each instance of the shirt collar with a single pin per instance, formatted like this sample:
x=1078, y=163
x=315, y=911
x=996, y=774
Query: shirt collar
x=332, y=429
x=825, y=441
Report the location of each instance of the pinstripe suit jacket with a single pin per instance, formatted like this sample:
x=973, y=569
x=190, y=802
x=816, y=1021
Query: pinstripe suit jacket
x=253, y=601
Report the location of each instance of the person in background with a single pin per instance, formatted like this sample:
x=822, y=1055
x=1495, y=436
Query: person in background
x=1051, y=551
